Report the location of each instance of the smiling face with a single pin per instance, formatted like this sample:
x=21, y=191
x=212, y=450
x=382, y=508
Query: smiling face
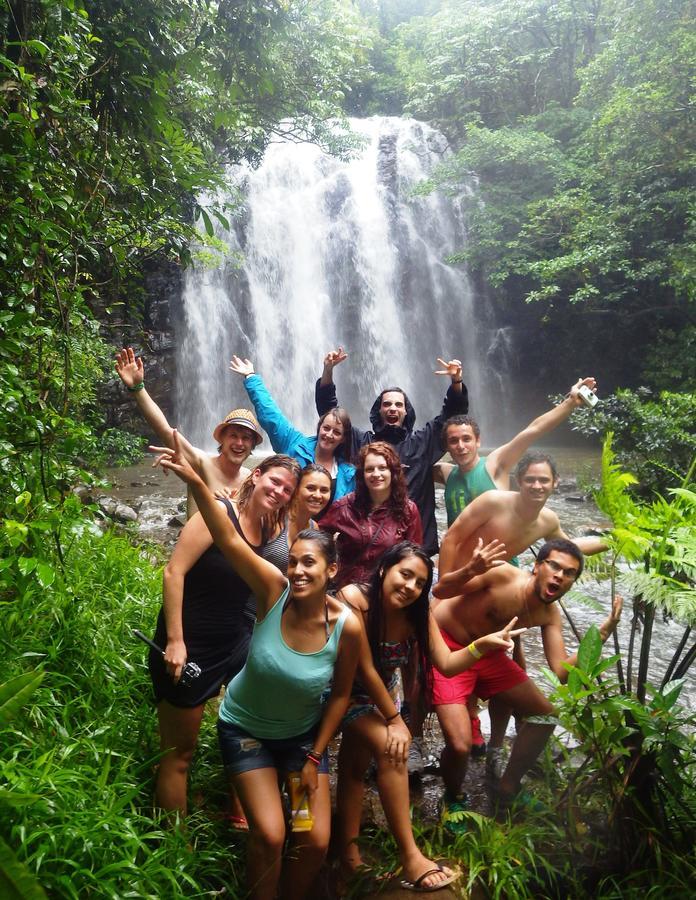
x=330, y=434
x=555, y=575
x=377, y=475
x=463, y=446
x=392, y=409
x=537, y=483
x=403, y=583
x=313, y=493
x=236, y=443
x=309, y=571
x=273, y=488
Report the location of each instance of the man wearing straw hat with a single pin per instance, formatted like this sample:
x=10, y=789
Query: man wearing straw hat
x=236, y=435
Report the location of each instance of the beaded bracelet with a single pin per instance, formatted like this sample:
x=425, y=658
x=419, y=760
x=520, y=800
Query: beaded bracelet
x=314, y=757
x=391, y=718
x=136, y=387
x=475, y=652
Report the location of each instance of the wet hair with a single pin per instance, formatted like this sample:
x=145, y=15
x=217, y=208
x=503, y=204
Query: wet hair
x=271, y=521
x=398, y=498
x=417, y=613
x=326, y=542
x=530, y=459
x=392, y=390
x=460, y=420
x=563, y=546
x=340, y=414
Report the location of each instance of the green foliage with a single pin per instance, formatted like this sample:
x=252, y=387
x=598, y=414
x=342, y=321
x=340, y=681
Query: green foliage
x=631, y=775
x=77, y=759
x=595, y=226
x=653, y=435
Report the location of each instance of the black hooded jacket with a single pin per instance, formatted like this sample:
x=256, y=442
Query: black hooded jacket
x=418, y=450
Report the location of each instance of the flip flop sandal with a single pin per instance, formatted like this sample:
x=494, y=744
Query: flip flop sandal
x=418, y=887
x=239, y=823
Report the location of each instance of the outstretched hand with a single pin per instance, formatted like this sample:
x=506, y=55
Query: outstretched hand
x=241, y=366
x=453, y=368
x=129, y=367
x=173, y=460
x=612, y=620
x=586, y=382
x=486, y=557
x=499, y=640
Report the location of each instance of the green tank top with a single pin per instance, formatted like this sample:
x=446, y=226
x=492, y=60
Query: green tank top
x=278, y=692
x=463, y=487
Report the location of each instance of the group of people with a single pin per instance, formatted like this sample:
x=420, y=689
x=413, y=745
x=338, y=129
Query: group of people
x=305, y=584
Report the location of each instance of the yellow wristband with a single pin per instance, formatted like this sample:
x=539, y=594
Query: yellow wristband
x=474, y=651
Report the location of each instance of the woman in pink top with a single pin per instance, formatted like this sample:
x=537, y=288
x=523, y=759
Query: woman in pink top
x=376, y=516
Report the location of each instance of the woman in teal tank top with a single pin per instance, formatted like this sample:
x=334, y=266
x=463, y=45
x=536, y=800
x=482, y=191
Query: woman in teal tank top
x=271, y=720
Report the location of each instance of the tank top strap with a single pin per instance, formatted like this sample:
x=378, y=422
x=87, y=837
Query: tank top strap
x=234, y=518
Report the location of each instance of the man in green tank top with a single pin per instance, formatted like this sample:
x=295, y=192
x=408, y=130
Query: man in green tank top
x=471, y=474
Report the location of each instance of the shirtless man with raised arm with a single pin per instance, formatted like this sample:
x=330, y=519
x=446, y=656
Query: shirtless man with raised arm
x=471, y=606
x=237, y=434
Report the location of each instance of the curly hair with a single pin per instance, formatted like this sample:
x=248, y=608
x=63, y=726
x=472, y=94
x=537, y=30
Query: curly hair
x=398, y=497
x=271, y=521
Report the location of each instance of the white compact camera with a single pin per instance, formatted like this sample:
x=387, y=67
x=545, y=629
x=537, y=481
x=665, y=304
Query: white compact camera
x=588, y=397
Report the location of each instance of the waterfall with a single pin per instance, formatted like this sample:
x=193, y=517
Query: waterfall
x=326, y=252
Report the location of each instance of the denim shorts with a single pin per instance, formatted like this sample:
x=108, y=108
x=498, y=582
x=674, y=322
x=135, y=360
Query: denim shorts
x=242, y=752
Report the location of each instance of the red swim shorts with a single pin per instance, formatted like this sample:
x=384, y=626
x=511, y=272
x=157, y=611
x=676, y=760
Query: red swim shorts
x=491, y=675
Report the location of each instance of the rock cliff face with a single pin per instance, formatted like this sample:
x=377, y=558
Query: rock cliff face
x=153, y=338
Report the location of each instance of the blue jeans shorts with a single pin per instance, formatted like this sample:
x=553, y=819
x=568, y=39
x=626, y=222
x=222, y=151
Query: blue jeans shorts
x=242, y=752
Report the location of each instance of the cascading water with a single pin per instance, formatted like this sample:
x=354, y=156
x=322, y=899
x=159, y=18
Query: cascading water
x=326, y=253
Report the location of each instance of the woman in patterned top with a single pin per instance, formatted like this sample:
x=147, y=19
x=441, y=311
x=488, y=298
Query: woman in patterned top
x=395, y=609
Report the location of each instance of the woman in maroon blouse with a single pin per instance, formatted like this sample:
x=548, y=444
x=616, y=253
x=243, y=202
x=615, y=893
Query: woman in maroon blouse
x=376, y=516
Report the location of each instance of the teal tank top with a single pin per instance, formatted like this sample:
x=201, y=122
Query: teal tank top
x=278, y=692
x=463, y=487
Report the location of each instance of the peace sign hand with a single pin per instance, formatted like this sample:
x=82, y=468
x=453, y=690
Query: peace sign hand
x=453, y=368
x=499, y=640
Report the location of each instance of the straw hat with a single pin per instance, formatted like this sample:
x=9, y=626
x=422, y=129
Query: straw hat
x=242, y=417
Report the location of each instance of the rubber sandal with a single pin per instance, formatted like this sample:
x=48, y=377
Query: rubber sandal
x=418, y=887
x=239, y=823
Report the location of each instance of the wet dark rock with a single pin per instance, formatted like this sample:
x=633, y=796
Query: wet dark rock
x=177, y=521
x=575, y=498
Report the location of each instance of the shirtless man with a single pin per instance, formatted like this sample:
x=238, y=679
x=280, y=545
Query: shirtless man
x=471, y=605
x=472, y=474
x=237, y=434
x=518, y=520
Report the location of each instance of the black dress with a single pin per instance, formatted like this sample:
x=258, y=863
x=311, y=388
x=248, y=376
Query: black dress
x=218, y=614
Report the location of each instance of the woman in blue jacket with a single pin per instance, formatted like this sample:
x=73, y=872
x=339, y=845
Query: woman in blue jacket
x=328, y=448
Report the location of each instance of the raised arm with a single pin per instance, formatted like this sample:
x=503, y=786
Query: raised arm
x=131, y=371
x=264, y=579
x=466, y=579
x=452, y=662
x=325, y=389
x=281, y=432
x=469, y=520
x=503, y=460
x=554, y=645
